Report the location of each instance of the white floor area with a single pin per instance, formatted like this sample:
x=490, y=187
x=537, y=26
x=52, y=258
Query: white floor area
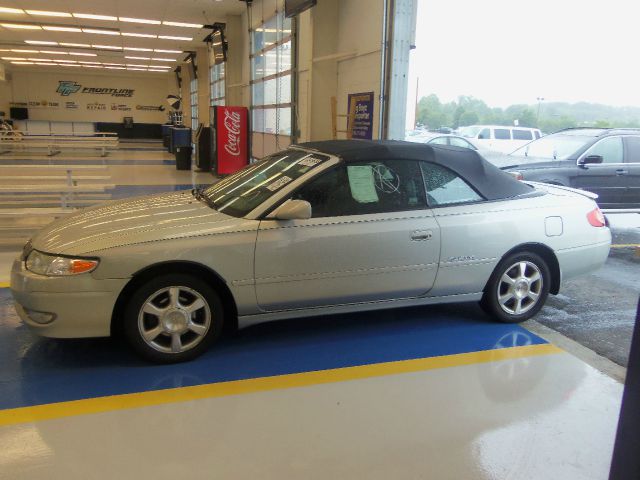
x=515, y=419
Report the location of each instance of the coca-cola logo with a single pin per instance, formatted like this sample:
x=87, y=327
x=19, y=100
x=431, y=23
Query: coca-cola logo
x=232, y=126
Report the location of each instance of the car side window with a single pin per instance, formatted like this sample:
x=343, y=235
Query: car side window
x=444, y=187
x=485, y=134
x=439, y=141
x=459, y=142
x=522, y=134
x=365, y=188
x=502, y=134
x=633, y=149
x=537, y=134
x=609, y=148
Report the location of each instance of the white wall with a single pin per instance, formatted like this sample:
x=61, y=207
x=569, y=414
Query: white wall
x=39, y=87
x=5, y=94
x=339, y=52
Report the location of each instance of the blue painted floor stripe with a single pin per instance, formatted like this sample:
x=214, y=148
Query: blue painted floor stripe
x=37, y=371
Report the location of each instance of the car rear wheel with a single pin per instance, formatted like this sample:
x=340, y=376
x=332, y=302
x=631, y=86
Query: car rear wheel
x=518, y=288
x=173, y=318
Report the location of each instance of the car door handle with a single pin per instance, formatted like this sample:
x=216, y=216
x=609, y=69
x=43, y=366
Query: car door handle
x=419, y=235
x=621, y=171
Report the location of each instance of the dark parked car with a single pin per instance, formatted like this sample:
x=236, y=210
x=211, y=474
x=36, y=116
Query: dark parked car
x=603, y=161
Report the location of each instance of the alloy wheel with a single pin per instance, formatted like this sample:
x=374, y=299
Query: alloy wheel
x=519, y=288
x=174, y=319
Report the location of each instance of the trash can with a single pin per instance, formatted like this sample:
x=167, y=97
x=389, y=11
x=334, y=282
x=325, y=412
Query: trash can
x=183, y=158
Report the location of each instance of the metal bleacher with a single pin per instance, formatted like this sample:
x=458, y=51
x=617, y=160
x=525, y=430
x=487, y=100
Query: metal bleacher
x=33, y=195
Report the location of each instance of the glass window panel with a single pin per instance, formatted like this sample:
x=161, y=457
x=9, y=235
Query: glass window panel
x=272, y=92
x=217, y=85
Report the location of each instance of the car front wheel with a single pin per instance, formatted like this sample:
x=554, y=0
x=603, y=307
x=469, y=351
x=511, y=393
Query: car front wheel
x=518, y=288
x=173, y=318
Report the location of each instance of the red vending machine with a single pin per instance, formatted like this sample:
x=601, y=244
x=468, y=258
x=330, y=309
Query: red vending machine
x=230, y=139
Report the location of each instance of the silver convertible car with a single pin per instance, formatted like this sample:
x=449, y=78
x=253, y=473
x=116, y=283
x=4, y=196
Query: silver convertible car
x=319, y=228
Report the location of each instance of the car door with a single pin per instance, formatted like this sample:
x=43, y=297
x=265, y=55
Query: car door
x=471, y=236
x=604, y=178
x=631, y=170
x=371, y=238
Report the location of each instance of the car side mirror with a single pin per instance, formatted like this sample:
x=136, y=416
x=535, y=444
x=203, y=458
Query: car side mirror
x=591, y=159
x=292, y=210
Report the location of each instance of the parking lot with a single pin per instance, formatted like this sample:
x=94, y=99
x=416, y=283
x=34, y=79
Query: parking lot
x=598, y=310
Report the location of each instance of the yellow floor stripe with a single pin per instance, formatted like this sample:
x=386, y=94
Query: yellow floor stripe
x=183, y=394
x=626, y=245
x=4, y=284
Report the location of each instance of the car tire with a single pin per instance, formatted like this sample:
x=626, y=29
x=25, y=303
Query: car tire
x=173, y=318
x=517, y=288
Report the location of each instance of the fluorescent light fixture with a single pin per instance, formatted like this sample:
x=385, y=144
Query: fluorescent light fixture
x=47, y=64
x=91, y=66
x=141, y=35
x=107, y=47
x=183, y=24
x=139, y=20
x=82, y=54
x=135, y=65
x=137, y=58
x=46, y=13
x=114, y=64
x=69, y=65
x=13, y=58
x=138, y=69
x=65, y=61
x=22, y=63
x=53, y=52
x=11, y=10
x=170, y=37
x=39, y=59
x=24, y=26
x=55, y=28
x=40, y=42
x=22, y=50
x=164, y=59
x=136, y=49
x=100, y=31
x=79, y=45
x=91, y=16
x=116, y=68
x=159, y=50
x=90, y=63
x=5, y=49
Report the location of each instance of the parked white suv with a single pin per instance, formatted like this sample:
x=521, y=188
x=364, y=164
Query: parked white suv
x=499, y=138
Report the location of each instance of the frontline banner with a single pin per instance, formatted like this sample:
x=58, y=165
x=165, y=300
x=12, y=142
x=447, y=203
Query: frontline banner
x=360, y=120
x=232, y=139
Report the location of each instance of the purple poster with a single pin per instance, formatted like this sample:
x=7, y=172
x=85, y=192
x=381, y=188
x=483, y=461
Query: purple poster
x=360, y=120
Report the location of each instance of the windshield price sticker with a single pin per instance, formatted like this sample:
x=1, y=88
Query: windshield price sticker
x=310, y=161
x=278, y=184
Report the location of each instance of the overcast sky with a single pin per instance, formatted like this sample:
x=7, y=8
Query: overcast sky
x=506, y=52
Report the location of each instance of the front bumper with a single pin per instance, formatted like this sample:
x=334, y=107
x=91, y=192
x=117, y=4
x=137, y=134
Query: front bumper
x=82, y=305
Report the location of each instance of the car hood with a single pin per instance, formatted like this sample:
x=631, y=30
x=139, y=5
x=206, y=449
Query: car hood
x=135, y=220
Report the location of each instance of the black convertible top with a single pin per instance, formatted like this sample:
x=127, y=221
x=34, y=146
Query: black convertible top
x=491, y=182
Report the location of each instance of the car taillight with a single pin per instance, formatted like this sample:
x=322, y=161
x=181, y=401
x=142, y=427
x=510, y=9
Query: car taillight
x=596, y=218
x=517, y=175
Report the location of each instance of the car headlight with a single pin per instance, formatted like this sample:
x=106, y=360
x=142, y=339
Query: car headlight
x=53, y=265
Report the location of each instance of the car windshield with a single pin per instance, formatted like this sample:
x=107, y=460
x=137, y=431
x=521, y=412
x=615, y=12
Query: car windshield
x=243, y=191
x=469, y=132
x=558, y=147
